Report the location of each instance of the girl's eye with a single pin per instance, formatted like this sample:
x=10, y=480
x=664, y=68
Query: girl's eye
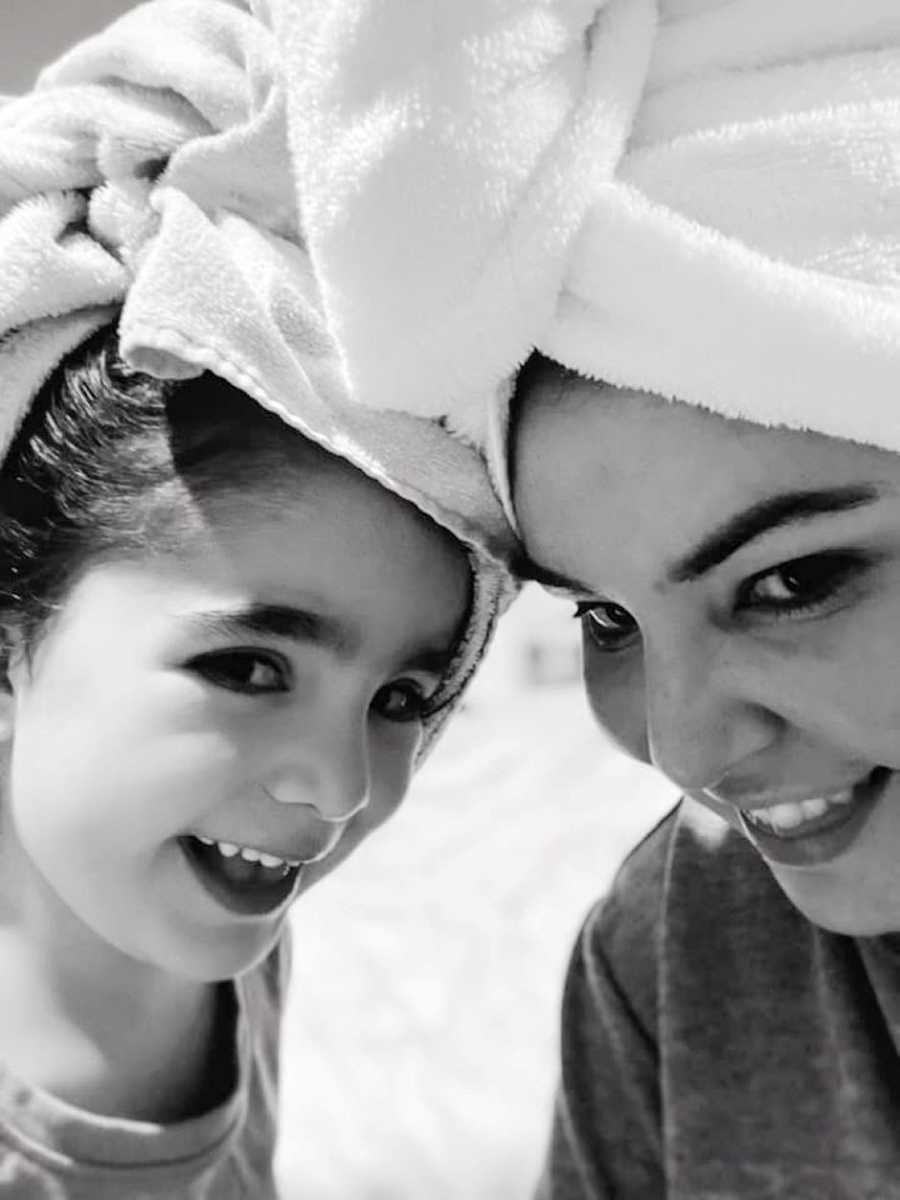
x=801, y=585
x=609, y=626
x=402, y=700
x=247, y=671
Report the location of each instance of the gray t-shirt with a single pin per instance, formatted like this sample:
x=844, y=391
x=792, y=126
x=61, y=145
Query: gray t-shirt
x=52, y=1151
x=718, y=1046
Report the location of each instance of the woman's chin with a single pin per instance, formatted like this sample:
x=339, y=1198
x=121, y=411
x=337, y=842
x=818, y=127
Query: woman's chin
x=839, y=906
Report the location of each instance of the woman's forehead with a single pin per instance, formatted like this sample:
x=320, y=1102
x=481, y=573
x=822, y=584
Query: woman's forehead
x=596, y=464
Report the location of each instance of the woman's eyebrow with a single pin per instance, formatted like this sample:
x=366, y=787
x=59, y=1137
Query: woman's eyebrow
x=786, y=508
x=530, y=571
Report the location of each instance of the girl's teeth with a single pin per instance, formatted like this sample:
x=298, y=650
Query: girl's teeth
x=229, y=850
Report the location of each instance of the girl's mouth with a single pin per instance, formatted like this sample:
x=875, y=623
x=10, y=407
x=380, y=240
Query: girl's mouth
x=243, y=880
x=815, y=830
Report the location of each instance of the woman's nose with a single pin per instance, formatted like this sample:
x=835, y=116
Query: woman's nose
x=328, y=771
x=701, y=719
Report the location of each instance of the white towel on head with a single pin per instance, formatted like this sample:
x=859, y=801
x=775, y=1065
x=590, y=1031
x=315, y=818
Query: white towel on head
x=445, y=156
x=746, y=256
x=148, y=180
x=695, y=197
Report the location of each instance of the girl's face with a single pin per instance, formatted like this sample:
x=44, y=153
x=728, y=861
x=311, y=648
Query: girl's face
x=739, y=592
x=259, y=694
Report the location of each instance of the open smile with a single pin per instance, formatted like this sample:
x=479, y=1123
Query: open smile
x=814, y=830
x=243, y=880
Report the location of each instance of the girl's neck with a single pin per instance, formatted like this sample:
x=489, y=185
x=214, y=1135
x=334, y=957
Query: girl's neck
x=99, y=1029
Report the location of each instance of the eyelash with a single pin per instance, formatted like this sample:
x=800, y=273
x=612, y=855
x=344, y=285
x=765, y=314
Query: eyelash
x=834, y=570
x=839, y=568
x=231, y=669
x=214, y=667
x=421, y=710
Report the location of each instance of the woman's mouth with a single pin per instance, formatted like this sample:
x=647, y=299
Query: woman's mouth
x=241, y=878
x=816, y=829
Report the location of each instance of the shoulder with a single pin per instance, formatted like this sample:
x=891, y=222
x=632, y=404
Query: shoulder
x=691, y=882
x=689, y=859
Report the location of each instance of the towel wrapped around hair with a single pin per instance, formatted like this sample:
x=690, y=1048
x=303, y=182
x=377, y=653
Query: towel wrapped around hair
x=699, y=198
x=147, y=179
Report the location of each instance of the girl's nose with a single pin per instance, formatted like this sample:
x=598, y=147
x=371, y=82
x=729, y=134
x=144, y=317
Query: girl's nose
x=701, y=721
x=328, y=772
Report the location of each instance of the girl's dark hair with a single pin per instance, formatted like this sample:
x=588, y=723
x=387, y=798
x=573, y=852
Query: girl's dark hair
x=105, y=462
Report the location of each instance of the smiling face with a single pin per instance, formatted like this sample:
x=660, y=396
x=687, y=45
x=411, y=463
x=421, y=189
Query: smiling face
x=263, y=688
x=740, y=598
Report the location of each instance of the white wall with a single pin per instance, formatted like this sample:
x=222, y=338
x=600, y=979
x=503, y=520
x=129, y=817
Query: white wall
x=32, y=32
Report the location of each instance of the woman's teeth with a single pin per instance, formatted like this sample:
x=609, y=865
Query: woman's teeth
x=781, y=818
x=249, y=854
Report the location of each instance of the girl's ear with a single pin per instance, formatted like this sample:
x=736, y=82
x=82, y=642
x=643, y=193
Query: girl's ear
x=12, y=662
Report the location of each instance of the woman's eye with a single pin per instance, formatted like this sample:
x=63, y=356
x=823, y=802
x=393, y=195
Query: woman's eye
x=608, y=625
x=246, y=671
x=401, y=700
x=799, y=585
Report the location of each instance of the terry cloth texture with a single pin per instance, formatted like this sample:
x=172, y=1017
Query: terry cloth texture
x=699, y=198
x=148, y=180
x=51, y=1151
x=782, y=1080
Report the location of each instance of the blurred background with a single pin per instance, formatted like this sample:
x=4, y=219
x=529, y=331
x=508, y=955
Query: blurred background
x=421, y=1032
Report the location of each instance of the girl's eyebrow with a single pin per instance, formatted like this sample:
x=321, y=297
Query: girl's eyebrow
x=787, y=508
x=303, y=625
x=276, y=620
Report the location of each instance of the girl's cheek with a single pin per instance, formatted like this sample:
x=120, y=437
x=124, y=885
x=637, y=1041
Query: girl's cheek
x=615, y=691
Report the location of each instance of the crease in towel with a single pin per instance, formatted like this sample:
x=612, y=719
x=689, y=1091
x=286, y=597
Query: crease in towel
x=466, y=142
x=709, y=209
x=147, y=181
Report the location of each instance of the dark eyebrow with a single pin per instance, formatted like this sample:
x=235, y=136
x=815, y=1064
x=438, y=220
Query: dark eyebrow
x=784, y=509
x=302, y=625
x=531, y=572
x=276, y=620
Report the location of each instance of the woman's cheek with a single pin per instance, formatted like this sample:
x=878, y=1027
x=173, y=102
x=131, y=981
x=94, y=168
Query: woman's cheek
x=615, y=691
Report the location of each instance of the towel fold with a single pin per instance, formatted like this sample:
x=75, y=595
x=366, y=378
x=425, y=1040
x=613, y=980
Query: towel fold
x=699, y=198
x=746, y=254
x=148, y=180
x=445, y=155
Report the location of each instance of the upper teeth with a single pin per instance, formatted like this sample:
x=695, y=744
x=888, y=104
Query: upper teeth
x=794, y=812
x=229, y=850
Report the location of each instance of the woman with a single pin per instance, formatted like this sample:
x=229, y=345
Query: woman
x=730, y=1015
x=696, y=200
x=725, y=513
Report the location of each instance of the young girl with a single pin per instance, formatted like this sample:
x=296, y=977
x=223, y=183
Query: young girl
x=223, y=646
x=235, y=608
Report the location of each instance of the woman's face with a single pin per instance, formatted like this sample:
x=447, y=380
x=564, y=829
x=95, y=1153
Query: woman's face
x=198, y=737
x=740, y=598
